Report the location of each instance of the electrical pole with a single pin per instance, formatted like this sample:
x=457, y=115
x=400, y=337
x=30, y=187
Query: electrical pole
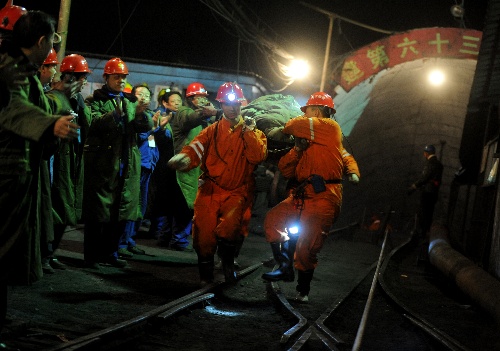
x=62, y=27
x=331, y=16
x=327, y=54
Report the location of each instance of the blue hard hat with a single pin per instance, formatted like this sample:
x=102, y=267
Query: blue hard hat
x=430, y=149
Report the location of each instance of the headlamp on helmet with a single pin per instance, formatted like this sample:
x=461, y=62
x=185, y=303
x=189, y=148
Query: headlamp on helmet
x=230, y=92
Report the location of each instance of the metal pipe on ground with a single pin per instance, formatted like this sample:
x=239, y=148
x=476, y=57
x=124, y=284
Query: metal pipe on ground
x=474, y=281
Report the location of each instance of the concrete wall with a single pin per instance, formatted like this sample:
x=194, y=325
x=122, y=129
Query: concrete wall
x=388, y=119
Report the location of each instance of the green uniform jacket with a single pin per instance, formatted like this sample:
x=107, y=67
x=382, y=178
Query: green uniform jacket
x=26, y=127
x=67, y=178
x=112, y=161
x=186, y=125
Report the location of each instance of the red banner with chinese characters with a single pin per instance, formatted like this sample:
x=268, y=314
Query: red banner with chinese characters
x=409, y=46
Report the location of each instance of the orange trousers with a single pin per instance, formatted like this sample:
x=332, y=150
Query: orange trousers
x=218, y=214
x=316, y=219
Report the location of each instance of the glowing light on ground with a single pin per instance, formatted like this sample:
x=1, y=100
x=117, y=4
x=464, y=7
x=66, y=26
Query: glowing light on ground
x=213, y=310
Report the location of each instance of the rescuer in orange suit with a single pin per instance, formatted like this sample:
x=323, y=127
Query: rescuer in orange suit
x=228, y=152
x=318, y=162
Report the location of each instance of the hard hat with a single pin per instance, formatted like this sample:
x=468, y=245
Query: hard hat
x=430, y=149
x=230, y=92
x=319, y=99
x=115, y=66
x=128, y=88
x=51, y=58
x=196, y=89
x=74, y=64
x=9, y=15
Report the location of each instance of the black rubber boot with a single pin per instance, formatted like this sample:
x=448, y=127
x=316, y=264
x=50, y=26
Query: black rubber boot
x=304, y=281
x=239, y=244
x=227, y=251
x=206, y=269
x=283, y=254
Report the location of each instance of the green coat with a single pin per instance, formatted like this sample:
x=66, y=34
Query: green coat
x=26, y=127
x=67, y=181
x=186, y=125
x=111, y=144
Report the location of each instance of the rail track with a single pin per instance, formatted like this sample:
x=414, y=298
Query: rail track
x=355, y=304
x=344, y=324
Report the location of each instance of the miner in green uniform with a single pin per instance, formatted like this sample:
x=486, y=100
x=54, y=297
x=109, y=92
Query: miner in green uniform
x=112, y=166
x=186, y=124
x=26, y=127
x=67, y=163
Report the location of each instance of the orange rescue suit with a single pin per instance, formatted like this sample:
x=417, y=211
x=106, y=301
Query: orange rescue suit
x=228, y=156
x=316, y=212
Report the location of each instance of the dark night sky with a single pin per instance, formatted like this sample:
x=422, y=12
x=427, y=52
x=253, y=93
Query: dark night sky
x=188, y=32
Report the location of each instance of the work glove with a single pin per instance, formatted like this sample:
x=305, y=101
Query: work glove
x=249, y=124
x=301, y=144
x=353, y=178
x=179, y=162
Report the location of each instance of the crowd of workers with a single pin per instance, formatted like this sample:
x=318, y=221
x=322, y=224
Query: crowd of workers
x=108, y=159
x=67, y=159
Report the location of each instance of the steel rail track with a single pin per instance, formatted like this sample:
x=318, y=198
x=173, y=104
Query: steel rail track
x=163, y=312
x=317, y=327
x=412, y=316
x=328, y=337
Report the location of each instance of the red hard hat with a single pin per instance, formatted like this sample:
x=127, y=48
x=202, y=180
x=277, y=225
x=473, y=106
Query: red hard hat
x=319, y=99
x=128, y=88
x=51, y=58
x=230, y=92
x=74, y=64
x=196, y=89
x=9, y=15
x=115, y=66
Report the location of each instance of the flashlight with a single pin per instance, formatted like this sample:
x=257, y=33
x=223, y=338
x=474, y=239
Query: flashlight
x=294, y=229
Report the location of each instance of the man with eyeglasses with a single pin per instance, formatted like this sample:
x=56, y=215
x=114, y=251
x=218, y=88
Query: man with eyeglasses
x=26, y=128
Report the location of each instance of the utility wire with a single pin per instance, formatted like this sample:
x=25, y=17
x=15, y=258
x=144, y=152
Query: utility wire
x=118, y=35
x=359, y=24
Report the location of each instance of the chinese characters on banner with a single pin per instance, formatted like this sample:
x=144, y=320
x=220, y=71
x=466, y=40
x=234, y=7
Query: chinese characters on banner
x=409, y=46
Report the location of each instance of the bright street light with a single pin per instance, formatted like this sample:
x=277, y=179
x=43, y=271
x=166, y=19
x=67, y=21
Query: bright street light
x=298, y=69
x=436, y=77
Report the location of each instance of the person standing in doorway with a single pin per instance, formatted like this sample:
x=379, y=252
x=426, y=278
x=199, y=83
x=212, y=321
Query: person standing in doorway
x=429, y=184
